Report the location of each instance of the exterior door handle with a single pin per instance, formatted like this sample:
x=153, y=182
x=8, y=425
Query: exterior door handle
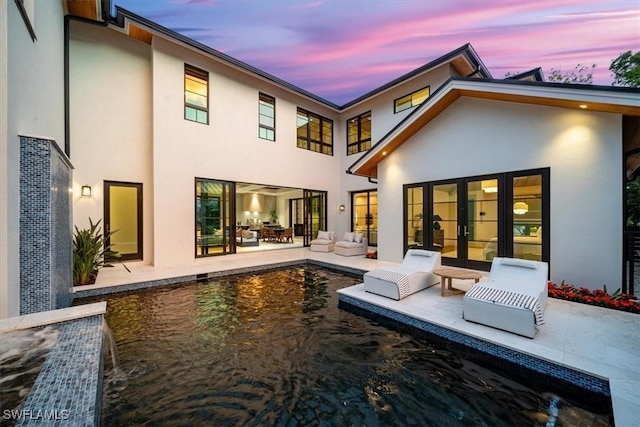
x=466, y=232
x=458, y=230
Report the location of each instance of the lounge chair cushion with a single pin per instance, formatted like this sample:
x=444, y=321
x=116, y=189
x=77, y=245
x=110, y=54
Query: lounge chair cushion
x=348, y=237
x=346, y=244
x=321, y=242
x=515, y=262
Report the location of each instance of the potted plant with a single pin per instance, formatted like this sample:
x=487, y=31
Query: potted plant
x=273, y=214
x=90, y=253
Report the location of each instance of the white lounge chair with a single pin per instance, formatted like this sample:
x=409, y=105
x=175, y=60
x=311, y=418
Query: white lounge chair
x=512, y=299
x=352, y=244
x=413, y=275
x=324, y=242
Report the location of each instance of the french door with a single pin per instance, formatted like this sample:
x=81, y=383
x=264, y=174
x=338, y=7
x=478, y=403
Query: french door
x=123, y=218
x=472, y=220
x=364, y=211
x=315, y=214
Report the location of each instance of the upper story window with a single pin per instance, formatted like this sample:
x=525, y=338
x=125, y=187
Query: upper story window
x=315, y=132
x=412, y=100
x=196, y=94
x=267, y=117
x=359, y=133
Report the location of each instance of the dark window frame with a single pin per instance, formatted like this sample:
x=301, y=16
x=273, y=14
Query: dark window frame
x=361, y=144
x=505, y=212
x=263, y=97
x=307, y=139
x=413, y=105
x=190, y=70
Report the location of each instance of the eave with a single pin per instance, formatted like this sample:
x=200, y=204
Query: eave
x=622, y=101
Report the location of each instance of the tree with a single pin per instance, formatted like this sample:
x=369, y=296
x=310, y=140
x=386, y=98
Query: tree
x=580, y=75
x=625, y=69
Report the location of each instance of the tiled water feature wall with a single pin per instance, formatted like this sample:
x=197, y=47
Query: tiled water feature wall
x=45, y=226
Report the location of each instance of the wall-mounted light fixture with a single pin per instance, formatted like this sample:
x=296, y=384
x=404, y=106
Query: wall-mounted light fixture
x=341, y=208
x=520, y=208
x=86, y=191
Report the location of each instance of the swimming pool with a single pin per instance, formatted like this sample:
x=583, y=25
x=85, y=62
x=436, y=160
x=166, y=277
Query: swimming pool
x=274, y=349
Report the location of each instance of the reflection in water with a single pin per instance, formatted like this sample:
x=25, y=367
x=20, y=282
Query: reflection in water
x=275, y=349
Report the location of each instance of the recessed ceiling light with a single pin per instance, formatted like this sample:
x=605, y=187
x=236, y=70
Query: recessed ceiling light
x=583, y=106
x=384, y=153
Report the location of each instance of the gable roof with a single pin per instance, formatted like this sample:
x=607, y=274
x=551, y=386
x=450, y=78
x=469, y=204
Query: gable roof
x=534, y=75
x=616, y=100
x=464, y=59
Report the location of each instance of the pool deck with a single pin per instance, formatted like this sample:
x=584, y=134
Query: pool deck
x=598, y=341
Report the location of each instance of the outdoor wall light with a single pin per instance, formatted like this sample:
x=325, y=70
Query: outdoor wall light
x=341, y=208
x=86, y=191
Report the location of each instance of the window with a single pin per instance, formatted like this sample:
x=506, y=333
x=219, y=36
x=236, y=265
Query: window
x=267, y=117
x=359, y=133
x=315, y=133
x=196, y=94
x=412, y=100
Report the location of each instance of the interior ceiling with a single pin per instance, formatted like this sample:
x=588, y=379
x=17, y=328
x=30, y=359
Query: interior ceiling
x=268, y=190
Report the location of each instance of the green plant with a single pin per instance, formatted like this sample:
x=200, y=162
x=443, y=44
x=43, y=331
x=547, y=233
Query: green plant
x=273, y=214
x=90, y=253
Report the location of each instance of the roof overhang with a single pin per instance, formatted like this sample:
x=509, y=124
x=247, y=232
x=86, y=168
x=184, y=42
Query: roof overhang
x=615, y=100
x=93, y=10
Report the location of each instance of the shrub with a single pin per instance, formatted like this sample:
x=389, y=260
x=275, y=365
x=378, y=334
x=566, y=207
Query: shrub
x=90, y=253
x=599, y=297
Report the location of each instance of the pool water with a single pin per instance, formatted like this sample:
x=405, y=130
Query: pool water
x=274, y=349
x=22, y=354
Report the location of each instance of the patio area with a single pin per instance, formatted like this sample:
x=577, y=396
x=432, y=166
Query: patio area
x=598, y=341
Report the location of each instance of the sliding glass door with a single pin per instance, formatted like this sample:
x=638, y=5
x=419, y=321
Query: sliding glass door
x=315, y=214
x=215, y=213
x=472, y=220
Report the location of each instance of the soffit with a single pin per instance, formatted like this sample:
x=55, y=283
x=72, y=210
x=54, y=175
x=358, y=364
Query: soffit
x=88, y=9
x=605, y=101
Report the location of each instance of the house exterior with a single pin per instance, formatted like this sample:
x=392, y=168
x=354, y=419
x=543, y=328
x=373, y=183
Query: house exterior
x=155, y=129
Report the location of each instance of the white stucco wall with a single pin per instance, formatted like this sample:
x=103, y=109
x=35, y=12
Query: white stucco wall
x=226, y=149
x=383, y=119
x=31, y=104
x=110, y=116
x=582, y=149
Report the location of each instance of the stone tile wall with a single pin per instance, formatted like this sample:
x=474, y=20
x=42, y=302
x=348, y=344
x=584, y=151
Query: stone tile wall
x=45, y=226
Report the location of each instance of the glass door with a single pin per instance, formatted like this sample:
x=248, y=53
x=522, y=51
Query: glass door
x=315, y=214
x=480, y=228
x=215, y=212
x=443, y=225
x=472, y=220
x=464, y=221
x=364, y=210
x=123, y=218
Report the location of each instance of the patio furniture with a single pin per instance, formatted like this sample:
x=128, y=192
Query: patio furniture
x=286, y=235
x=324, y=242
x=512, y=299
x=413, y=275
x=352, y=244
x=449, y=273
x=247, y=238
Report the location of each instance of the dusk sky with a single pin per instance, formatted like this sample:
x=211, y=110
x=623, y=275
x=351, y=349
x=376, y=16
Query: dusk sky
x=341, y=49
